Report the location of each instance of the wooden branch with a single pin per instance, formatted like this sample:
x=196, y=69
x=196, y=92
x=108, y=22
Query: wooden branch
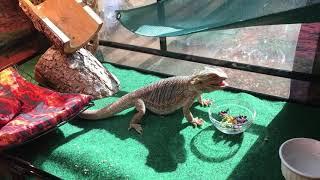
x=67, y=23
x=79, y=72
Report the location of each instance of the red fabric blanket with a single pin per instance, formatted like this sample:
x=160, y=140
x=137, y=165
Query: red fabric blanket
x=27, y=109
x=9, y=107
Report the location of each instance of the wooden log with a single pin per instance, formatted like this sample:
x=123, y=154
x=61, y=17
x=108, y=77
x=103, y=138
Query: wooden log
x=18, y=39
x=79, y=72
x=67, y=23
x=93, y=44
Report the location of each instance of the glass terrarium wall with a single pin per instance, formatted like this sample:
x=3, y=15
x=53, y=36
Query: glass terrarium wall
x=270, y=46
x=290, y=47
x=113, y=31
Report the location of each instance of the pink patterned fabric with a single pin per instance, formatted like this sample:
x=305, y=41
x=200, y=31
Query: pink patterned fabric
x=41, y=108
x=9, y=107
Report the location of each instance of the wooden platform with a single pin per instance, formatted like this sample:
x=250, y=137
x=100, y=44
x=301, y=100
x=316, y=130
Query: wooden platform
x=69, y=24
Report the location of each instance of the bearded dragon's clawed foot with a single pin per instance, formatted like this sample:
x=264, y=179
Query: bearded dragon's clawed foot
x=136, y=127
x=204, y=102
x=197, y=122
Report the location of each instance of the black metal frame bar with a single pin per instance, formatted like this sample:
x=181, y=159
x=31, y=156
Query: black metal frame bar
x=161, y=15
x=215, y=62
x=20, y=168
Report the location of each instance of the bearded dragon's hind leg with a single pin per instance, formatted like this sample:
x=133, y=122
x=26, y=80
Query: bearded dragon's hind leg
x=136, y=120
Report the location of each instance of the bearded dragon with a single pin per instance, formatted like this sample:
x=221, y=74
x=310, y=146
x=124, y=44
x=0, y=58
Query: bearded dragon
x=165, y=97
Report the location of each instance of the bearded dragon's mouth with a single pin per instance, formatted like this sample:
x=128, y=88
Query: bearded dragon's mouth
x=221, y=84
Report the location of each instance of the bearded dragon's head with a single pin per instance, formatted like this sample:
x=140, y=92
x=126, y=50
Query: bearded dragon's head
x=209, y=79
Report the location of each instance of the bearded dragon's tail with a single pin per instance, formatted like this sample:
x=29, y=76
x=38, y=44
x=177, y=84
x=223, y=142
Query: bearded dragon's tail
x=123, y=103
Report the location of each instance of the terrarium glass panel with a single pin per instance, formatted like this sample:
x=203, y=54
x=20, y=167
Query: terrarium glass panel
x=269, y=46
x=290, y=47
x=112, y=30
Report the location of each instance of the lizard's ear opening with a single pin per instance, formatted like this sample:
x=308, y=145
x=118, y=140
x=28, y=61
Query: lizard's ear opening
x=195, y=81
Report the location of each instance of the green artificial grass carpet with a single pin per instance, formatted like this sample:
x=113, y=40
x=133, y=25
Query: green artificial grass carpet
x=169, y=147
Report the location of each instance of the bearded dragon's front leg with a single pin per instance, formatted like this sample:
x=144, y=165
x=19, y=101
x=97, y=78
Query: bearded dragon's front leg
x=186, y=112
x=204, y=102
x=136, y=119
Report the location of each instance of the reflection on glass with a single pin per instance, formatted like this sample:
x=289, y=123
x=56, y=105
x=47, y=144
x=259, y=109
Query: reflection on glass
x=288, y=47
x=112, y=30
x=271, y=46
x=261, y=83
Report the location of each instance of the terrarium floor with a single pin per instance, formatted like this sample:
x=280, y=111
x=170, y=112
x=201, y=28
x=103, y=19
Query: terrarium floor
x=169, y=147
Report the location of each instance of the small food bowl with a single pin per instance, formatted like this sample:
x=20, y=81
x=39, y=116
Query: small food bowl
x=300, y=159
x=232, y=116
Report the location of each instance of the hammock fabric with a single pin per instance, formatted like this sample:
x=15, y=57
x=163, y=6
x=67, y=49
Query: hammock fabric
x=28, y=110
x=180, y=17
